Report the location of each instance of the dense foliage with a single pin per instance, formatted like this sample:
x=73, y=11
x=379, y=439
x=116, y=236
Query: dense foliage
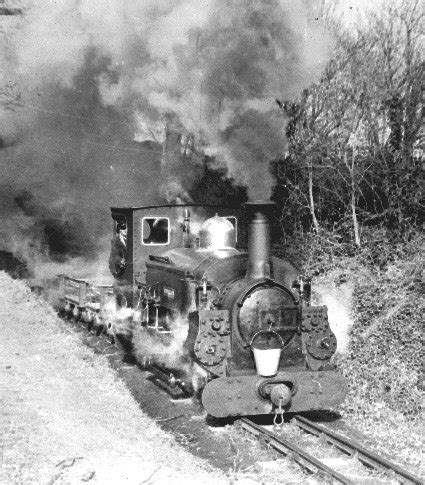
x=383, y=363
x=349, y=190
x=355, y=138
x=385, y=356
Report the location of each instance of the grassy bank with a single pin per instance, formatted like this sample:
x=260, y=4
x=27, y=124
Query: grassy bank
x=65, y=416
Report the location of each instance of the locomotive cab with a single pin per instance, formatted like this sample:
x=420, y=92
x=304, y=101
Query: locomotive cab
x=152, y=231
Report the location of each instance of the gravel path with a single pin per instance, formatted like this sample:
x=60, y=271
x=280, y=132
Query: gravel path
x=65, y=417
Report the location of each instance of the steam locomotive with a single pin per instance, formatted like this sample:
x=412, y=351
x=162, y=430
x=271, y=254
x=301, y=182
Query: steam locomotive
x=250, y=330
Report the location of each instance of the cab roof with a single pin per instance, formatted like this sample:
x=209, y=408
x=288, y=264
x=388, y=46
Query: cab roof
x=158, y=206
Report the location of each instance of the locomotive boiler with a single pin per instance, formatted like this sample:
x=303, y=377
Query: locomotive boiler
x=187, y=263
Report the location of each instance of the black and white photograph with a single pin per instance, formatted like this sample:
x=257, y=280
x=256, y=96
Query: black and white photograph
x=211, y=242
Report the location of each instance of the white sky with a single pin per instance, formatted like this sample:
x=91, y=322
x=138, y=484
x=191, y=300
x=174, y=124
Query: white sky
x=353, y=11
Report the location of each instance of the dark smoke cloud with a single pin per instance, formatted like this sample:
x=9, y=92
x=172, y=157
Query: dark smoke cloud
x=71, y=158
x=84, y=84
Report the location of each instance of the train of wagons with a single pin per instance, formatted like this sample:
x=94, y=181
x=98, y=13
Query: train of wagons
x=251, y=336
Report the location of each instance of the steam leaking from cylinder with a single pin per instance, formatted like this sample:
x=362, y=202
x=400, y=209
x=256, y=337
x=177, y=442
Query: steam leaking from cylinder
x=339, y=303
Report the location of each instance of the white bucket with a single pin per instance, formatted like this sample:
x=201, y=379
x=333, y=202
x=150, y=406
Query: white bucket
x=266, y=361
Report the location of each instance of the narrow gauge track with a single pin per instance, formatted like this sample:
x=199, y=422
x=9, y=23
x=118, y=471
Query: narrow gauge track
x=307, y=461
x=312, y=464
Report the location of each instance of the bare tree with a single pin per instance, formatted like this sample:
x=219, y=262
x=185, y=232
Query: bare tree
x=353, y=134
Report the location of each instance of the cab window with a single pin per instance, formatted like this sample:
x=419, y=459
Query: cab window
x=155, y=231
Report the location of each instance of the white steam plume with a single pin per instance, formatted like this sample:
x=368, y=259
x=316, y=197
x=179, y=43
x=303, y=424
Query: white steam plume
x=339, y=303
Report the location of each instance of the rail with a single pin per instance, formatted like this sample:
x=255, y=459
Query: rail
x=300, y=456
x=352, y=448
x=312, y=464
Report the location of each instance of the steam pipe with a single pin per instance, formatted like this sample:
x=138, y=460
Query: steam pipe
x=186, y=229
x=259, y=242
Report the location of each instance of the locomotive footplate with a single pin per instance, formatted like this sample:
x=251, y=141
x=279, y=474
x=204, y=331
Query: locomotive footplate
x=250, y=395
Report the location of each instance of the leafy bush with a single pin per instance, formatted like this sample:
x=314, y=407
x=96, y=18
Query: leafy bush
x=383, y=363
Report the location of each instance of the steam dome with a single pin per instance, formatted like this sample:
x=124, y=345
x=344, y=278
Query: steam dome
x=217, y=233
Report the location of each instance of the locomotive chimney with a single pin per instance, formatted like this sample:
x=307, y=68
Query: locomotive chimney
x=259, y=244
